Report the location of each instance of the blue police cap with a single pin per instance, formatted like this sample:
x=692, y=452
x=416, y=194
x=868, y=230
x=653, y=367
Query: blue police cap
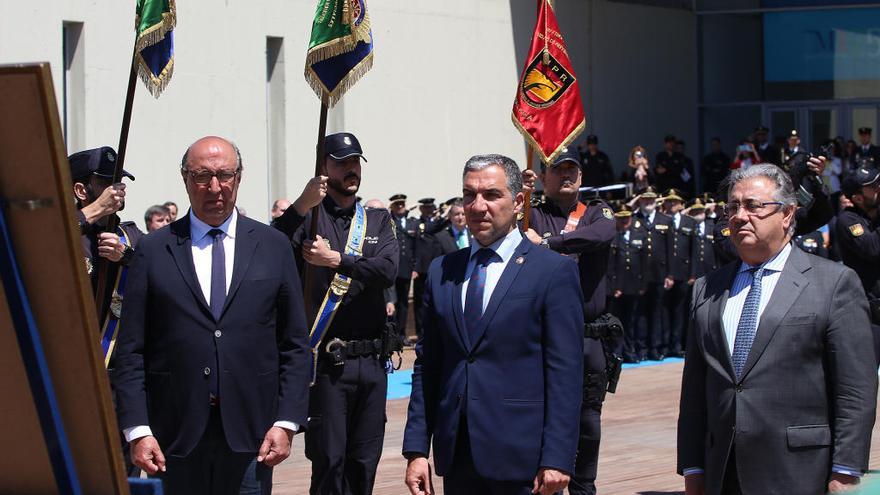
x=97, y=161
x=342, y=145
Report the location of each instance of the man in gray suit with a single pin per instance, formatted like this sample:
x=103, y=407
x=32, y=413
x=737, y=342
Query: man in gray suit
x=780, y=382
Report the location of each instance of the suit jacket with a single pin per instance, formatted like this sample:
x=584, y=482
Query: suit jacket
x=445, y=242
x=807, y=395
x=517, y=380
x=170, y=346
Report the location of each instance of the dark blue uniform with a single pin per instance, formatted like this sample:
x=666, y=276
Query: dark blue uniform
x=407, y=229
x=346, y=426
x=590, y=243
x=703, y=258
x=675, y=300
x=424, y=253
x=626, y=274
x=658, y=232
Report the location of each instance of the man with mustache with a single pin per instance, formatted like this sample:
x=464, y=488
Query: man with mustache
x=354, y=253
x=584, y=232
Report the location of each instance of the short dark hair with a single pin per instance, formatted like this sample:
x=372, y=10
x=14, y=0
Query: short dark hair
x=511, y=169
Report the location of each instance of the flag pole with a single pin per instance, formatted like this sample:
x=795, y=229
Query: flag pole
x=527, y=206
x=112, y=223
x=313, y=226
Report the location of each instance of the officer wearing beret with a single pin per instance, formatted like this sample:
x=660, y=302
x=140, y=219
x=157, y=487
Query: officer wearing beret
x=584, y=231
x=866, y=149
x=658, y=229
x=858, y=233
x=346, y=424
x=407, y=233
x=681, y=271
x=626, y=278
x=98, y=199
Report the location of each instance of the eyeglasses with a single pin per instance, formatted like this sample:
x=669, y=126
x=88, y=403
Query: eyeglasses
x=203, y=177
x=752, y=207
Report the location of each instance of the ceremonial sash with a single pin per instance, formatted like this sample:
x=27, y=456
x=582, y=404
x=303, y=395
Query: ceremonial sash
x=110, y=328
x=338, y=287
x=574, y=217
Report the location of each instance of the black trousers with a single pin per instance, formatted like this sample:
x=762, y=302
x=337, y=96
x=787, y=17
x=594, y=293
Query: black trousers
x=650, y=327
x=212, y=468
x=462, y=478
x=583, y=481
x=346, y=426
x=401, y=307
x=625, y=307
x=418, y=296
x=675, y=315
x=730, y=485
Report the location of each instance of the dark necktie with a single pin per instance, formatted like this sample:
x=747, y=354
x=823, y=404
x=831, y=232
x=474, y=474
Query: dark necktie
x=748, y=323
x=473, y=301
x=218, y=273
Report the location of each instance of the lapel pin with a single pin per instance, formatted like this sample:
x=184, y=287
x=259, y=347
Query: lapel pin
x=520, y=260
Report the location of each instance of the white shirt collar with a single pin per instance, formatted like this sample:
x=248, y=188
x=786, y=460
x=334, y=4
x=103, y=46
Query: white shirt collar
x=503, y=247
x=774, y=264
x=199, y=229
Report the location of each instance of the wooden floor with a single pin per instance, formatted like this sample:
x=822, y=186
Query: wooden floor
x=638, y=441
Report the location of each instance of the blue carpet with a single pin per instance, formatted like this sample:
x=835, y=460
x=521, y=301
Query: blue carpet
x=400, y=382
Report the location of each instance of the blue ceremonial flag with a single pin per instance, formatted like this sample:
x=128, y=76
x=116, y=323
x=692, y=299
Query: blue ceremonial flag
x=154, y=47
x=340, y=48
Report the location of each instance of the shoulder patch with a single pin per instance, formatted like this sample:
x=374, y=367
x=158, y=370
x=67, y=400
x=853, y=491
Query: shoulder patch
x=606, y=212
x=856, y=230
x=725, y=232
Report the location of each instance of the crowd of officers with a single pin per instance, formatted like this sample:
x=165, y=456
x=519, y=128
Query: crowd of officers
x=638, y=258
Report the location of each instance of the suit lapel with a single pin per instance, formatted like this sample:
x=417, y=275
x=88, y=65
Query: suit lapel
x=721, y=287
x=245, y=245
x=789, y=287
x=181, y=251
x=456, y=298
x=508, y=276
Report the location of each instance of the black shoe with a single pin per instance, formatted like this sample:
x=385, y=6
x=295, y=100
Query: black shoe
x=655, y=356
x=631, y=359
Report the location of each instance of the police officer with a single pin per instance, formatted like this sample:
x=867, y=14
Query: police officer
x=596, y=168
x=766, y=150
x=669, y=166
x=407, y=229
x=97, y=201
x=858, y=231
x=428, y=224
x=658, y=229
x=346, y=424
x=703, y=257
x=681, y=271
x=584, y=231
x=792, y=147
x=626, y=279
x=866, y=149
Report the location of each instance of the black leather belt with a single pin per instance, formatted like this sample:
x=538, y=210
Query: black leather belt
x=354, y=348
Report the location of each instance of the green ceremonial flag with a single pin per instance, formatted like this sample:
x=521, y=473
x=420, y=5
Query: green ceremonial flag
x=340, y=49
x=154, y=46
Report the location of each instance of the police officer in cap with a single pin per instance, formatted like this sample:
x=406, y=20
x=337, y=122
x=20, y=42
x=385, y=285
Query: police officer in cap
x=866, y=149
x=407, y=233
x=626, y=278
x=346, y=425
x=596, y=167
x=428, y=223
x=858, y=233
x=703, y=257
x=584, y=231
x=681, y=273
x=97, y=200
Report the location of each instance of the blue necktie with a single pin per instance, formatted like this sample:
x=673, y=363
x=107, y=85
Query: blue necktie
x=218, y=273
x=748, y=323
x=473, y=301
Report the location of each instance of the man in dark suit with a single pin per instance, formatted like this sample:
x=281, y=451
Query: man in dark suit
x=498, y=376
x=212, y=364
x=779, y=388
x=456, y=235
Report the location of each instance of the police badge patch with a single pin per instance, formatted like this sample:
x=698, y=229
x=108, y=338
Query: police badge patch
x=725, y=232
x=606, y=212
x=856, y=230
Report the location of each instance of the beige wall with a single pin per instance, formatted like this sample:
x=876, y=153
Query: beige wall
x=440, y=91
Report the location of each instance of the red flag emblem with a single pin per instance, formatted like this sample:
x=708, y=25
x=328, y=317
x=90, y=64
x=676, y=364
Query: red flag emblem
x=548, y=109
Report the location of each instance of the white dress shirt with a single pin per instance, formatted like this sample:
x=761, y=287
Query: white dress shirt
x=201, y=252
x=504, y=248
x=676, y=219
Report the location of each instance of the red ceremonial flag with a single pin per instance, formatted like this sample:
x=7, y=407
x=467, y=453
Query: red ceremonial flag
x=548, y=109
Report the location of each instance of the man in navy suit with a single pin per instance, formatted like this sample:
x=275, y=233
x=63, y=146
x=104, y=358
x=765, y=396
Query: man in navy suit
x=497, y=383
x=212, y=362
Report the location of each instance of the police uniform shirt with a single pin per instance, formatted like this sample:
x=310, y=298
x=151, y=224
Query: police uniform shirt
x=406, y=230
x=703, y=257
x=658, y=231
x=859, y=243
x=628, y=258
x=590, y=242
x=426, y=243
x=361, y=314
x=680, y=268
